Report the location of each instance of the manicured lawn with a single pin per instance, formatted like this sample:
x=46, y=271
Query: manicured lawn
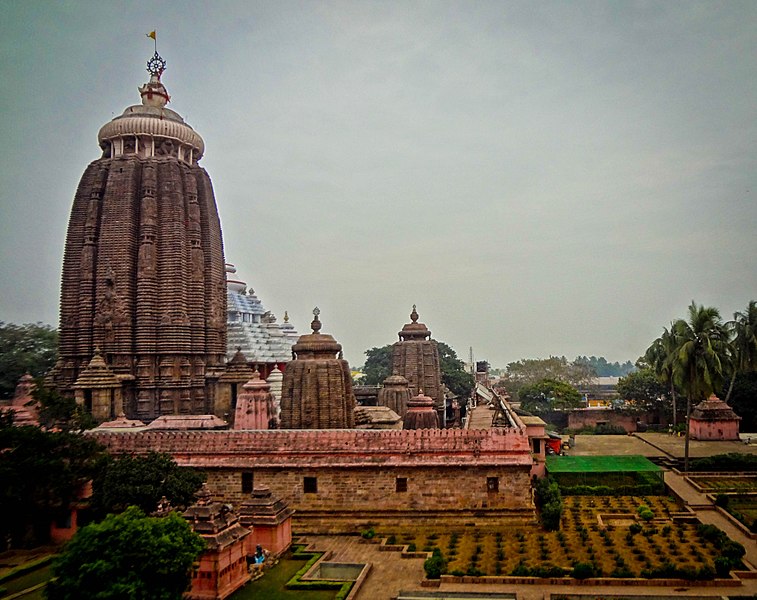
x=271, y=585
x=613, y=550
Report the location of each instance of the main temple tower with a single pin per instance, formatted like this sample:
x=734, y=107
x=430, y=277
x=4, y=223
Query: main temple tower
x=143, y=270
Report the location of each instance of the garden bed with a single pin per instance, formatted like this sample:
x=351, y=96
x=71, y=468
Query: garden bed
x=660, y=547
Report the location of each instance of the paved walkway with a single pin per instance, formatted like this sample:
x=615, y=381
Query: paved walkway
x=481, y=417
x=389, y=573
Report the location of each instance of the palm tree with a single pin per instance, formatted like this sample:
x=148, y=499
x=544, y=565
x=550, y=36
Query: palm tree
x=702, y=345
x=660, y=356
x=744, y=344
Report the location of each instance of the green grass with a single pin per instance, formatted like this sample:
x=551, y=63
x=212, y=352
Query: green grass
x=271, y=585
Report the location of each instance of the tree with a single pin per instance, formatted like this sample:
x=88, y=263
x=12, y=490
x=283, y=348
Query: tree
x=643, y=390
x=744, y=344
x=661, y=357
x=60, y=412
x=454, y=375
x=141, y=481
x=547, y=395
x=30, y=348
x=743, y=396
x=702, y=358
x=529, y=371
x=605, y=369
x=127, y=556
x=41, y=473
x=378, y=365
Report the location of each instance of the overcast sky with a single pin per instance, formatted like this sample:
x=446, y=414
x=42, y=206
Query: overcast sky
x=538, y=177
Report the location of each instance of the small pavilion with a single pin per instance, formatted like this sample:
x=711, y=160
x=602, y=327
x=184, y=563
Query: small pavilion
x=713, y=419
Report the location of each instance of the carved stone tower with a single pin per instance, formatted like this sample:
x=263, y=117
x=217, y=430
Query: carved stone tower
x=416, y=358
x=317, y=387
x=143, y=269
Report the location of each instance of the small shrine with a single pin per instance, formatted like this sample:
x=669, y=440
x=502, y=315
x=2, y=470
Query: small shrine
x=395, y=394
x=317, y=386
x=255, y=405
x=713, y=419
x=269, y=519
x=99, y=390
x=421, y=413
x=222, y=567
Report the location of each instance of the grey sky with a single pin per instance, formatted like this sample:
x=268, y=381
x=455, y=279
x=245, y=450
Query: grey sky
x=539, y=178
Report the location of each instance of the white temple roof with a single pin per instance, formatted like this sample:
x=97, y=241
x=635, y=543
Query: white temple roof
x=252, y=328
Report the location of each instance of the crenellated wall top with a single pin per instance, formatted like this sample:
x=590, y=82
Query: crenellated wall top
x=329, y=448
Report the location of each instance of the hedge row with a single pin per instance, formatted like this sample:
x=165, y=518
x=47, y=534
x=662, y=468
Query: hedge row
x=295, y=583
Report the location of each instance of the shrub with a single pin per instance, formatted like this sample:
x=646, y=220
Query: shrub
x=634, y=528
x=721, y=500
x=391, y=540
x=411, y=547
x=435, y=566
x=647, y=515
x=368, y=534
x=582, y=570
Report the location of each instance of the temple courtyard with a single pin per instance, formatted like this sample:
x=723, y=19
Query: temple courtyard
x=392, y=576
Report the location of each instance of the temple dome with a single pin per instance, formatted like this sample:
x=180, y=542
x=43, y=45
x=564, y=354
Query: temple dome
x=151, y=129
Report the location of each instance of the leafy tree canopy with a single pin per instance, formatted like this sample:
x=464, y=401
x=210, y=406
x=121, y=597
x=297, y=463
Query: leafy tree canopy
x=547, y=395
x=141, y=481
x=378, y=365
x=30, y=348
x=643, y=390
x=744, y=400
x=603, y=368
x=454, y=376
x=128, y=555
x=41, y=473
x=529, y=371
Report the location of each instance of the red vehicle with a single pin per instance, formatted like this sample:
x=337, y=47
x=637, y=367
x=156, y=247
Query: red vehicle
x=553, y=445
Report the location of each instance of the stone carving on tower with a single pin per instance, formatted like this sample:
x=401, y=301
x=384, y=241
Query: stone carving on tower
x=143, y=268
x=416, y=358
x=317, y=388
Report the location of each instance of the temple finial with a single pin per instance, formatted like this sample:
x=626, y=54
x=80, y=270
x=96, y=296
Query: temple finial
x=414, y=315
x=316, y=324
x=286, y=317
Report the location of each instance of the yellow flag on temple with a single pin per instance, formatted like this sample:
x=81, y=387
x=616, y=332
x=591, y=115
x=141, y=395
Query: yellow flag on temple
x=151, y=35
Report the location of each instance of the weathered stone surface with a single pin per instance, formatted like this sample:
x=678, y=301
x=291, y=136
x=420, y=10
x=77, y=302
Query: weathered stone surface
x=416, y=358
x=420, y=414
x=395, y=394
x=143, y=269
x=255, y=405
x=317, y=387
x=222, y=567
x=356, y=472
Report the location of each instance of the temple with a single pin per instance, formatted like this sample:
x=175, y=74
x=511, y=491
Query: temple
x=317, y=386
x=265, y=343
x=713, y=419
x=416, y=358
x=143, y=269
